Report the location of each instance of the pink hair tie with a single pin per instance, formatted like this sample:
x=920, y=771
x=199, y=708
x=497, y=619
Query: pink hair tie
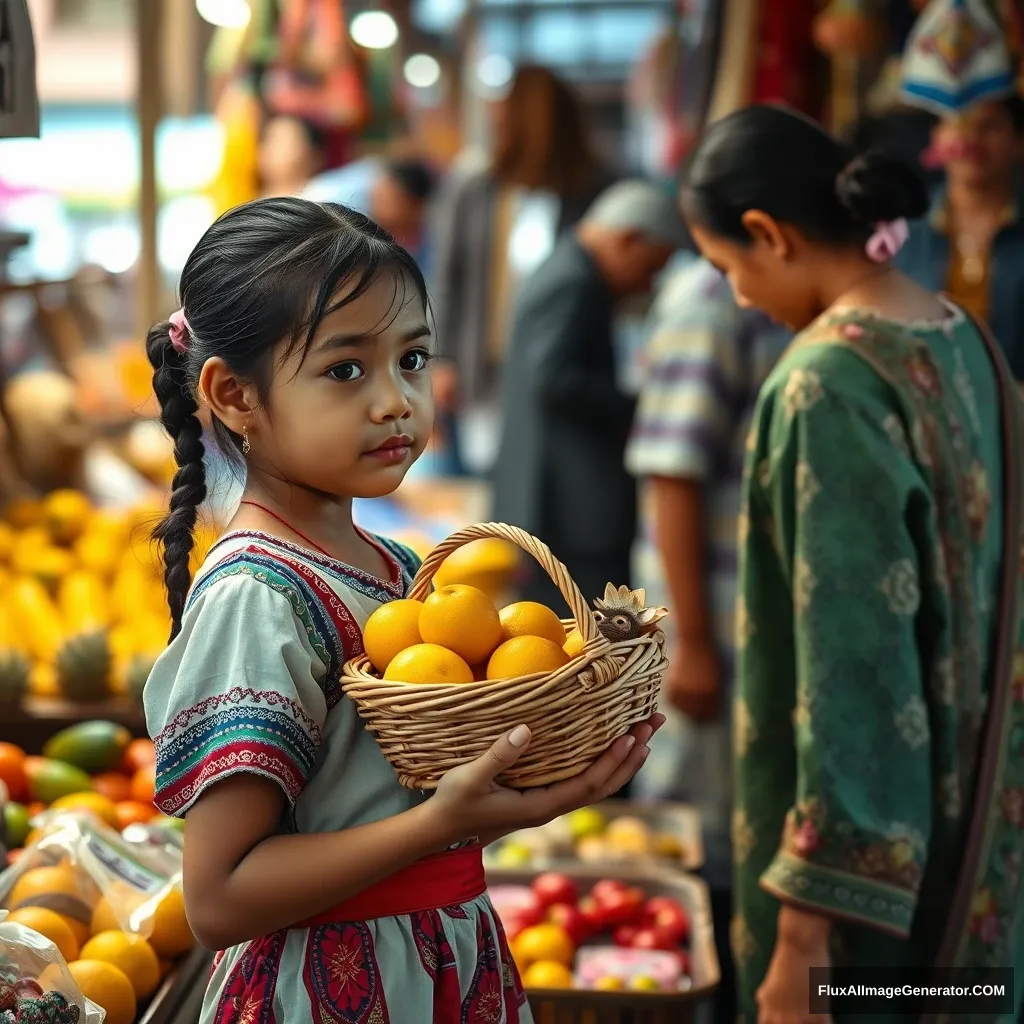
x=179, y=331
x=888, y=239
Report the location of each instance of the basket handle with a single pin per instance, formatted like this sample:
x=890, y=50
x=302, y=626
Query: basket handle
x=581, y=612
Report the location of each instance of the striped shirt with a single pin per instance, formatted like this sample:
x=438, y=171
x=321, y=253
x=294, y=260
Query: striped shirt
x=703, y=369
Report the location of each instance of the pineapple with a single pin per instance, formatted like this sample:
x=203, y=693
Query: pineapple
x=622, y=614
x=14, y=673
x=138, y=672
x=84, y=668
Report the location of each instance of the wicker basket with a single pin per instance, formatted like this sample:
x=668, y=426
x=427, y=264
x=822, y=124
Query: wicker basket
x=574, y=713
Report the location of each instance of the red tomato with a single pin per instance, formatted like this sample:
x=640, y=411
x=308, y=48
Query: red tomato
x=606, y=888
x=519, y=918
x=654, y=938
x=593, y=915
x=623, y=907
x=624, y=935
x=670, y=917
x=571, y=920
x=552, y=888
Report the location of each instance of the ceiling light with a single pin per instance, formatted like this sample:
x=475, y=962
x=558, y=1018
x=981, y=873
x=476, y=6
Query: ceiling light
x=374, y=30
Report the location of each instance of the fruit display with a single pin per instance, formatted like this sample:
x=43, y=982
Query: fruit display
x=585, y=933
x=95, y=766
x=82, y=608
x=98, y=879
x=614, y=832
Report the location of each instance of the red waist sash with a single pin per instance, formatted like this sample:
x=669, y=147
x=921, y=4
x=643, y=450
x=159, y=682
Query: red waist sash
x=441, y=880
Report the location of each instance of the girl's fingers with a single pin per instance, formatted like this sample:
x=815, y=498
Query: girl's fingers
x=633, y=763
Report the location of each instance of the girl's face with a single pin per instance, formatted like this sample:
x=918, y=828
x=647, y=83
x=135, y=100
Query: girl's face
x=350, y=416
x=766, y=273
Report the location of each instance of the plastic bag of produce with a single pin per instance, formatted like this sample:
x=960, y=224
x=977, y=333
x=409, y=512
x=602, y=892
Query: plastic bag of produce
x=35, y=985
x=85, y=872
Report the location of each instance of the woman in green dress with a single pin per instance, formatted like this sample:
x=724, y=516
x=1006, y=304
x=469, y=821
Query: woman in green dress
x=879, y=715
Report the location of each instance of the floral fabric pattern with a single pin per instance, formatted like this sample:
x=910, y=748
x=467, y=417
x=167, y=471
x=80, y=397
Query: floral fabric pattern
x=868, y=614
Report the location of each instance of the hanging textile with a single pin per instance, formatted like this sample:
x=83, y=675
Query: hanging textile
x=786, y=56
x=956, y=56
x=734, y=75
x=317, y=76
x=19, y=102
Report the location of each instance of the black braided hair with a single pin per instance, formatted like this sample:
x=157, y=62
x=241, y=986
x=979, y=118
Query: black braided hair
x=178, y=409
x=265, y=272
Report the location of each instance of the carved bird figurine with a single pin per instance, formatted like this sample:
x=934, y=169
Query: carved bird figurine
x=622, y=614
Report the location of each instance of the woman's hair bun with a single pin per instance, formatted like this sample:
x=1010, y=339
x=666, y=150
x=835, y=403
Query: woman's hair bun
x=875, y=187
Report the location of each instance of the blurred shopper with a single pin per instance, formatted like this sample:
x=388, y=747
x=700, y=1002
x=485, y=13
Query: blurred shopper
x=494, y=228
x=560, y=472
x=291, y=154
x=879, y=535
x=704, y=366
x=971, y=244
x=395, y=193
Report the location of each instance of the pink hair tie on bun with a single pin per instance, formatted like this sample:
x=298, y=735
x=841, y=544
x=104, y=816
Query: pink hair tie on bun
x=179, y=331
x=888, y=239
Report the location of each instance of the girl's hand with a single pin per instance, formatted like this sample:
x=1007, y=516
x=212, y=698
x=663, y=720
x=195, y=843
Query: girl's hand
x=470, y=803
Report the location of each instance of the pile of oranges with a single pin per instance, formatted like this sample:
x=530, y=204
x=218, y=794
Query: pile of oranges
x=457, y=635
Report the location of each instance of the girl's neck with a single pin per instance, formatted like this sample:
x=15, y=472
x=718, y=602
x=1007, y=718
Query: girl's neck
x=304, y=517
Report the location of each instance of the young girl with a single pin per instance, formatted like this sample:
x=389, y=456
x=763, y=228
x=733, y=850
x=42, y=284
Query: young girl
x=876, y=621
x=335, y=894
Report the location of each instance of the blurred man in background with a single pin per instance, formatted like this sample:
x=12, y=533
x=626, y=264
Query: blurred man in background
x=395, y=192
x=703, y=368
x=971, y=245
x=565, y=420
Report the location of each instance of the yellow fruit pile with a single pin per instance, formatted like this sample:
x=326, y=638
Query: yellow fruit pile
x=458, y=636
x=117, y=970
x=82, y=607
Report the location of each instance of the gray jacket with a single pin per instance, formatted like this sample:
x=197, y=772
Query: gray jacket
x=462, y=233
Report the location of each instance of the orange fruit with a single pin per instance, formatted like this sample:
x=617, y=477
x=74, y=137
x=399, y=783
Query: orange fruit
x=102, y=806
x=547, y=974
x=428, y=663
x=464, y=620
x=131, y=812
x=487, y=564
x=144, y=784
x=166, y=966
x=139, y=754
x=80, y=929
x=12, y=771
x=544, y=942
x=171, y=936
x=574, y=643
x=528, y=618
x=131, y=954
x=113, y=785
x=39, y=884
x=50, y=925
x=103, y=918
x=108, y=987
x=390, y=630
x=525, y=655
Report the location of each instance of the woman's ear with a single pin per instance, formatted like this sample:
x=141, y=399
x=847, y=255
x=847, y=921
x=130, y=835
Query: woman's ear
x=766, y=230
x=229, y=400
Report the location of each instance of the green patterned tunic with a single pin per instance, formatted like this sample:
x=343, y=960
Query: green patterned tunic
x=871, y=551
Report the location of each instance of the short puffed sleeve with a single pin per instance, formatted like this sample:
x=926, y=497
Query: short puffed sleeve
x=240, y=689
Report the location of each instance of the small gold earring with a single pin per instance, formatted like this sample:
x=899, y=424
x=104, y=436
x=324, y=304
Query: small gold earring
x=245, y=441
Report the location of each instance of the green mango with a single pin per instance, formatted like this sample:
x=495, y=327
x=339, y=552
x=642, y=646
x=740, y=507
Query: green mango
x=91, y=746
x=16, y=824
x=49, y=780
